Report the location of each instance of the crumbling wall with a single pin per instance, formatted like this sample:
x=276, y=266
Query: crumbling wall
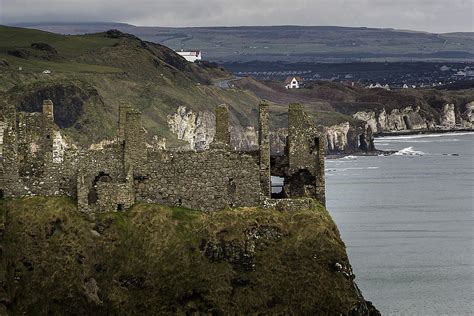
x=35, y=160
x=92, y=166
x=208, y=180
x=115, y=196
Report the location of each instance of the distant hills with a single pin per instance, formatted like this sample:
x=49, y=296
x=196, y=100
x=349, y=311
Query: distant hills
x=293, y=43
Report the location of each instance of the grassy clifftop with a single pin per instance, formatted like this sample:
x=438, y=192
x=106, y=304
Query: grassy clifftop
x=164, y=260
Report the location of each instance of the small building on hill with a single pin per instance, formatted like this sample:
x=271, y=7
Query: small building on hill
x=191, y=55
x=293, y=82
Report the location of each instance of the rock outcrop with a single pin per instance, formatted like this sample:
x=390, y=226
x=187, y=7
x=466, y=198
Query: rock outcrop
x=337, y=137
x=397, y=120
x=195, y=128
x=448, y=116
x=467, y=117
x=198, y=130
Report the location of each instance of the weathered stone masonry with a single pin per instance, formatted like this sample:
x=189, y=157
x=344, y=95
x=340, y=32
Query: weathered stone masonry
x=36, y=160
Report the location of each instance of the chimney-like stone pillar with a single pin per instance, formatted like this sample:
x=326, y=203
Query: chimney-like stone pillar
x=222, y=125
x=134, y=144
x=320, y=176
x=264, y=149
x=123, y=109
x=48, y=110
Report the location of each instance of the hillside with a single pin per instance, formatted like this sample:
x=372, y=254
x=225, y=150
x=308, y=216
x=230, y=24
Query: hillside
x=294, y=43
x=92, y=74
x=164, y=260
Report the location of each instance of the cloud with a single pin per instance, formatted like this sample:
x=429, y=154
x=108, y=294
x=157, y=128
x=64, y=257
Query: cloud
x=427, y=15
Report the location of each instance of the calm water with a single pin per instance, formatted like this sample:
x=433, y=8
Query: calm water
x=407, y=221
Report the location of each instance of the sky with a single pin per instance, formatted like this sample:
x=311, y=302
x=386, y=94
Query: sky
x=437, y=16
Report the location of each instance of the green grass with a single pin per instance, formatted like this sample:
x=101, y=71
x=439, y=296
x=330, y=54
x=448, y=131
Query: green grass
x=157, y=259
x=37, y=66
x=67, y=45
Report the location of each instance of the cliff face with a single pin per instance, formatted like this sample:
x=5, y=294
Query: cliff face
x=337, y=137
x=197, y=129
x=163, y=260
x=409, y=118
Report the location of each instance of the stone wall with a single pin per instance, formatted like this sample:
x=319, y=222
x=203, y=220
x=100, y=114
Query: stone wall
x=207, y=180
x=115, y=196
x=95, y=167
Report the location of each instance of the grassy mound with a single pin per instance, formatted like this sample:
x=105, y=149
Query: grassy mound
x=162, y=260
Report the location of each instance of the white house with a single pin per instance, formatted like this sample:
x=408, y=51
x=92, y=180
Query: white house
x=378, y=85
x=293, y=82
x=191, y=55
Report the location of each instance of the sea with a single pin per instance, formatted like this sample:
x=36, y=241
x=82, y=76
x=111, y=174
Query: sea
x=407, y=220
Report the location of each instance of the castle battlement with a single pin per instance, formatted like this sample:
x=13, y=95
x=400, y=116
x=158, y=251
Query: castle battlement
x=36, y=160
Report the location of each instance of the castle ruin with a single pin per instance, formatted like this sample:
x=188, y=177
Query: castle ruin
x=36, y=160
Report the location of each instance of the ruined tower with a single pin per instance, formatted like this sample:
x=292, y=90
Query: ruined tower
x=10, y=183
x=48, y=121
x=135, y=150
x=264, y=149
x=222, y=136
x=48, y=110
x=305, y=156
x=123, y=109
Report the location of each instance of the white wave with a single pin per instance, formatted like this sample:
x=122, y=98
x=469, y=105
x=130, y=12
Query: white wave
x=350, y=157
x=409, y=151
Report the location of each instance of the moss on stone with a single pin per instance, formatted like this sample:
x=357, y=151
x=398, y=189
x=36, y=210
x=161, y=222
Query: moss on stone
x=165, y=260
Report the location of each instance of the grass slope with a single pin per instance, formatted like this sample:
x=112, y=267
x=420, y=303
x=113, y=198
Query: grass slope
x=163, y=260
x=106, y=69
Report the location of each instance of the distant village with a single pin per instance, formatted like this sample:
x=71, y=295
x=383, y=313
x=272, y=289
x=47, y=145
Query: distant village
x=411, y=77
x=408, y=77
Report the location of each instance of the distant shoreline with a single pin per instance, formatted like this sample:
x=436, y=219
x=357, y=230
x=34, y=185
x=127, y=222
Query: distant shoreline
x=422, y=132
x=392, y=134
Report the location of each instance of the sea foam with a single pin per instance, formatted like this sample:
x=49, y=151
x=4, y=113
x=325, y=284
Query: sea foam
x=409, y=151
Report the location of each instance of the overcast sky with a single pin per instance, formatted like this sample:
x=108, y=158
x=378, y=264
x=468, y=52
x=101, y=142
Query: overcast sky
x=423, y=15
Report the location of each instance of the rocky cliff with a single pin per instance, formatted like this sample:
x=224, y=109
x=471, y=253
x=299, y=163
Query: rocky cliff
x=159, y=260
x=197, y=130
x=412, y=119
